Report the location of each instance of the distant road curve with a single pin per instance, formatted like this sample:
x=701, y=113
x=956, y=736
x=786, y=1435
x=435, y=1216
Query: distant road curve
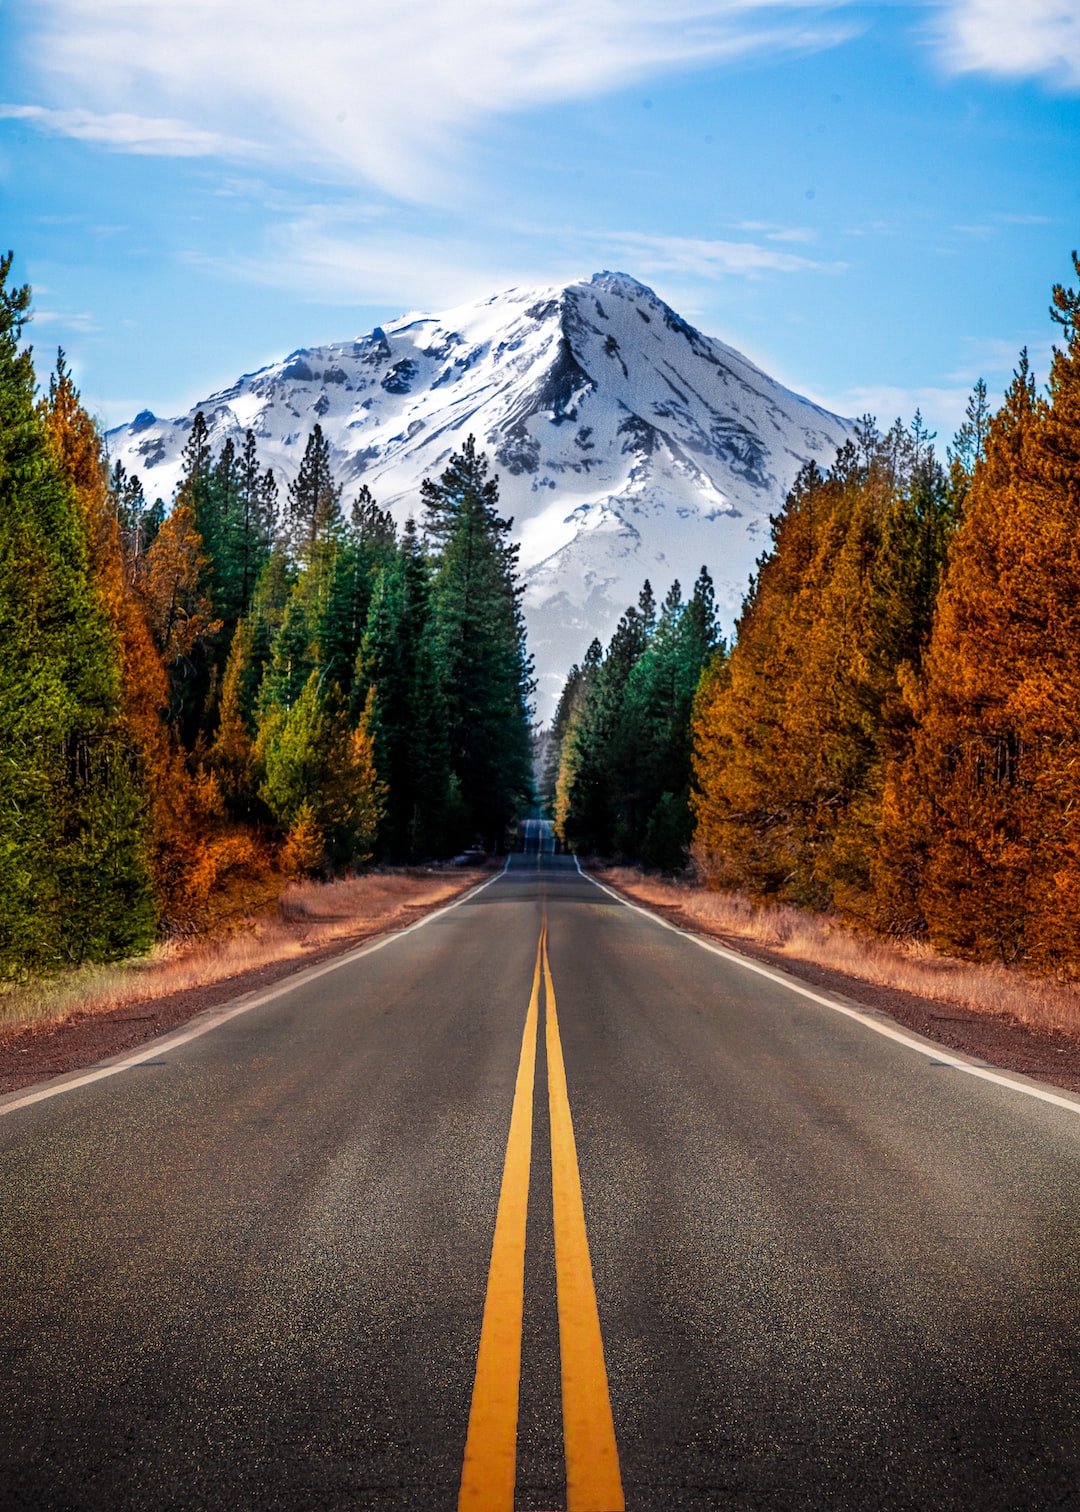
x=540, y=1205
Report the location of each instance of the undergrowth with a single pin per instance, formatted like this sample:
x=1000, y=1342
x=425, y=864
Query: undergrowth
x=307, y=916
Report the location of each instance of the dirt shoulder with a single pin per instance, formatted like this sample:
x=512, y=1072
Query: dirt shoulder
x=1050, y=1055
x=85, y=1036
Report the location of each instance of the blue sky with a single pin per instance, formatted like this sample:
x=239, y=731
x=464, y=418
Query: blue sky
x=872, y=201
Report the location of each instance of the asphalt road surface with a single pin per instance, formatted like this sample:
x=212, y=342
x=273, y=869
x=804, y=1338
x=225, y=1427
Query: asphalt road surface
x=775, y=1257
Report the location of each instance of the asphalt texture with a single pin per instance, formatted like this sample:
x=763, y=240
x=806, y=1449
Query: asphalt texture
x=250, y=1271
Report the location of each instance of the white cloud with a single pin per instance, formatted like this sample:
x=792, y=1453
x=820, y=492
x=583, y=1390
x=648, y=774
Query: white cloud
x=773, y=232
x=332, y=258
x=710, y=259
x=996, y=357
x=84, y=323
x=1013, y=38
x=127, y=132
x=334, y=254
x=942, y=407
x=383, y=89
x=943, y=404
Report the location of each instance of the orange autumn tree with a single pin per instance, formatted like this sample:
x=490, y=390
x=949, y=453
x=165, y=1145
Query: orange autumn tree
x=981, y=836
x=157, y=619
x=793, y=736
x=78, y=447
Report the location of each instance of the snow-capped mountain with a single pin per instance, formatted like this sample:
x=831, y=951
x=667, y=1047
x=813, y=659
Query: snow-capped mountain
x=627, y=444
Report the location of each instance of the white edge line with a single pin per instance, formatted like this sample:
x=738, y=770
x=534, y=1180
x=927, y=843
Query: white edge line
x=923, y=1047
x=216, y=1017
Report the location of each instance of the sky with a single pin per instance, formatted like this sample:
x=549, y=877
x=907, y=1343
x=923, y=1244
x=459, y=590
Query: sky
x=872, y=201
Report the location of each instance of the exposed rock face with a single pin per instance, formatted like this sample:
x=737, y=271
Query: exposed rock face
x=628, y=445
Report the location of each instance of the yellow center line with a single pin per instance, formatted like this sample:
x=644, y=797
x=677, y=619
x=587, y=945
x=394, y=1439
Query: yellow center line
x=487, y=1479
x=593, y=1482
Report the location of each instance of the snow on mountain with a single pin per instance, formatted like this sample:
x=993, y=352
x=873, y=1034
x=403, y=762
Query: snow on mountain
x=627, y=444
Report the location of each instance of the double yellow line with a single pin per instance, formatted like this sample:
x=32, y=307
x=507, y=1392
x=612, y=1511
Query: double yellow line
x=593, y=1483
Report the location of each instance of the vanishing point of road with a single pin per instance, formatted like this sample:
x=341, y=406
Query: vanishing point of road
x=540, y=1204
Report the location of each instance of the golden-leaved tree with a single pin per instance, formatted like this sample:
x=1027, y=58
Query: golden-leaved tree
x=981, y=837
x=793, y=736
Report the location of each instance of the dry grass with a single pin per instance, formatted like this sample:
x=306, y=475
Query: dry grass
x=1006, y=992
x=309, y=916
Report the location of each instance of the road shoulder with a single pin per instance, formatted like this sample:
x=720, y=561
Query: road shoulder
x=1047, y=1056
x=35, y=1053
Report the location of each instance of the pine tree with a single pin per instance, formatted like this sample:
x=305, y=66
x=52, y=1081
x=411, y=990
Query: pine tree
x=232, y=753
x=74, y=879
x=604, y=801
x=660, y=702
x=483, y=665
x=180, y=614
x=408, y=714
x=795, y=737
x=255, y=525
x=311, y=757
x=293, y=656
x=313, y=507
x=139, y=522
x=981, y=841
x=348, y=564
x=304, y=851
x=174, y=833
x=568, y=722
x=268, y=607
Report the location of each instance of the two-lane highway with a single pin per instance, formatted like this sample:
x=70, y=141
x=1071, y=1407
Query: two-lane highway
x=540, y=1205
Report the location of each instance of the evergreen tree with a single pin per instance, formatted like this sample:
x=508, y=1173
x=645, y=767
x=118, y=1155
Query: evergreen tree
x=139, y=522
x=623, y=729
x=322, y=772
x=359, y=551
x=232, y=753
x=174, y=834
x=255, y=523
x=483, y=666
x=398, y=662
x=313, y=507
x=268, y=607
x=793, y=740
x=293, y=657
x=604, y=800
x=74, y=874
x=180, y=614
x=660, y=702
x=569, y=719
x=981, y=844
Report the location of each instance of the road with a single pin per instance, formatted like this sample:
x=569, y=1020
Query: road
x=774, y=1258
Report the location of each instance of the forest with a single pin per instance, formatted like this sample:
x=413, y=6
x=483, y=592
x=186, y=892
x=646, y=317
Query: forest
x=894, y=735
x=198, y=700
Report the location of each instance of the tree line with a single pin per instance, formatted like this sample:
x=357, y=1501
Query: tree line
x=618, y=779
x=894, y=735
x=194, y=699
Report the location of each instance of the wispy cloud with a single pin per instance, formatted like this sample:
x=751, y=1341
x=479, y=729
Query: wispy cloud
x=332, y=253
x=995, y=358
x=129, y=133
x=711, y=259
x=942, y=406
x=385, y=91
x=330, y=257
x=1012, y=38
x=773, y=232
x=83, y=322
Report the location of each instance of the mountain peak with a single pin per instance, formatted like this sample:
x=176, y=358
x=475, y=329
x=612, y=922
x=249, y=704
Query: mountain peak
x=628, y=444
